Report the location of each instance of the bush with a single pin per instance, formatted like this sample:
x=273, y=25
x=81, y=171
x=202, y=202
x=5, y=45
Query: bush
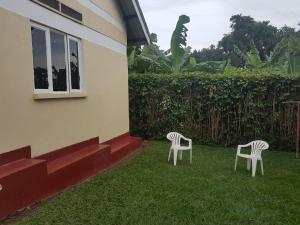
x=227, y=109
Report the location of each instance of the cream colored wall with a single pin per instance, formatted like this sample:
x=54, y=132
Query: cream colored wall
x=51, y=124
x=111, y=7
x=96, y=22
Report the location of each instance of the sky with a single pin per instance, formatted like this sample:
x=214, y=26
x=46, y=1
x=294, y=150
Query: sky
x=210, y=18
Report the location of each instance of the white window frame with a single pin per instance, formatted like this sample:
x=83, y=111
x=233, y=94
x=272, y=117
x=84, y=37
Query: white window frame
x=67, y=37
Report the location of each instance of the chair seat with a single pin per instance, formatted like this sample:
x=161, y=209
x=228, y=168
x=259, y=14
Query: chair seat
x=247, y=156
x=181, y=148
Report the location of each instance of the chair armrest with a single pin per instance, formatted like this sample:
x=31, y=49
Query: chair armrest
x=245, y=146
x=189, y=140
x=239, y=148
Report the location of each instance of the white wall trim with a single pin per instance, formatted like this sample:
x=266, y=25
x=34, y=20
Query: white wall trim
x=102, y=13
x=44, y=16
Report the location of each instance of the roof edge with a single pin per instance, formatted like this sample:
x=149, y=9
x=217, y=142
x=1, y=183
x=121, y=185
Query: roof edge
x=136, y=26
x=142, y=20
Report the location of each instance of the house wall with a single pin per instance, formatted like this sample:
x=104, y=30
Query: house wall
x=49, y=124
x=111, y=7
x=92, y=20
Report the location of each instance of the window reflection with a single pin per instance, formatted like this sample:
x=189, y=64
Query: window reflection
x=39, y=51
x=74, y=65
x=58, y=56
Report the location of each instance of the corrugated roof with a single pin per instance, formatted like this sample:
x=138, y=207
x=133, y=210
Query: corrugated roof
x=137, y=29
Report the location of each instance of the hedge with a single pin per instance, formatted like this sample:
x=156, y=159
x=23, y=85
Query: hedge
x=224, y=109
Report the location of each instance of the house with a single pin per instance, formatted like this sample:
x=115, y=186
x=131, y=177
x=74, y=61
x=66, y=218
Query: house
x=64, y=112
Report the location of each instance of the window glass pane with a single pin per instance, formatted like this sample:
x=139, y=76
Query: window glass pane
x=58, y=56
x=39, y=51
x=74, y=65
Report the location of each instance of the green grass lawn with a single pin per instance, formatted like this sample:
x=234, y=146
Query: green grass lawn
x=149, y=190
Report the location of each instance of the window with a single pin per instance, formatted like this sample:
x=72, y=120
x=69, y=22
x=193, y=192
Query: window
x=39, y=58
x=56, y=61
x=74, y=63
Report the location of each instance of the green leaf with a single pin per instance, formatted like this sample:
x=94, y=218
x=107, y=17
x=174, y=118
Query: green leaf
x=178, y=43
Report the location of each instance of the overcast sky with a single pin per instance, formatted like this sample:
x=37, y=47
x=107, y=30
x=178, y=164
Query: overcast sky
x=210, y=18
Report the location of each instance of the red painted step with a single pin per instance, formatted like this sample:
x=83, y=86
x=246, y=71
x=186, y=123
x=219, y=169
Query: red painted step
x=120, y=145
x=17, y=166
x=71, y=158
x=22, y=184
x=76, y=167
x=125, y=147
x=25, y=181
x=53, y=155
x=21, y=153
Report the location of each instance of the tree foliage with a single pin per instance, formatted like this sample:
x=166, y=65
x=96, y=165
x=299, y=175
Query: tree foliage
x=209, y=54
x=251, y=45
x=244, y=30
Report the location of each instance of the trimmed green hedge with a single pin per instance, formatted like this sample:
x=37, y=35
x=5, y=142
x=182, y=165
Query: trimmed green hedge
x=225, y=109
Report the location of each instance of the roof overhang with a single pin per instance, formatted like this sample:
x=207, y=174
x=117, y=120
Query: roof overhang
x=137, y=29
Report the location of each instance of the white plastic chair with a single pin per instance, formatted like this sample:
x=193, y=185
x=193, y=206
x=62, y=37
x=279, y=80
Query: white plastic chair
x=176, y=148
x=256, y=149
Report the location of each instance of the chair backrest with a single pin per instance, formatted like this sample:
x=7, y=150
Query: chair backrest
x=175, y=138
x=258, y=146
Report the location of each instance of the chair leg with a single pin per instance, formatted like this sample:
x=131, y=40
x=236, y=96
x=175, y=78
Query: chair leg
x=175, y=152
x=191, y=155
x=248, y=164
x=254, y=162
x=262, y=167
x=170, y=152
x=180, y=155
x=236, y=160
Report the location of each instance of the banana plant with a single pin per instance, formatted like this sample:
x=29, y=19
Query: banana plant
x=131, y=56
x=152, y=59
x=286, y=55
x=179, y=43
x=252, y=59
x=148, y=59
